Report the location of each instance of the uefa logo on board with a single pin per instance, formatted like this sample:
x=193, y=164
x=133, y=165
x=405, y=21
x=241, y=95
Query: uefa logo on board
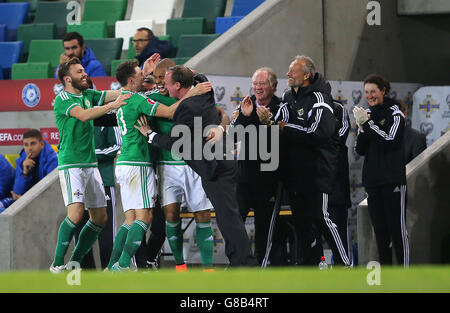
x=31, y=95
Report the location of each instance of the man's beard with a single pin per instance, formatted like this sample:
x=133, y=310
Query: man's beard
x=79, y=84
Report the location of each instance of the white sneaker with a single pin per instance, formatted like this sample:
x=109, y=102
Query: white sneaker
x=57, y=269
x=117, y=268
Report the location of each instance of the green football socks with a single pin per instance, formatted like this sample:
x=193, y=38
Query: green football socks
x=175, y=238
x=134, y=238
x=65, y=234
x=205, y=243
x=119, y=242
x=88, y=236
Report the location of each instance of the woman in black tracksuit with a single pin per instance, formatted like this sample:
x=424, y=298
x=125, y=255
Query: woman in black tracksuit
x=380, y=141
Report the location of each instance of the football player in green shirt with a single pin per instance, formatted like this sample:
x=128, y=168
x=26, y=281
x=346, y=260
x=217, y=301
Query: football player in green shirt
x=134, y=170
x=81, y=184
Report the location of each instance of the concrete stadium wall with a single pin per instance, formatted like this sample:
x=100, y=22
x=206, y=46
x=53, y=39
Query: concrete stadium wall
x=29, y=227
x=268, y=36
x=336, y=35
x=427, y=212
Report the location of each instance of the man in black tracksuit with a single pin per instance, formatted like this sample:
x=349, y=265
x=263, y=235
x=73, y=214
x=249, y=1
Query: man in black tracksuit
x=380, y=141
x=218, y=175
x=312, y=156
x=339, y=199
x=257, y=189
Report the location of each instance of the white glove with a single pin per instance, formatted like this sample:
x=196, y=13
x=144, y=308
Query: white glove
x=361, y=116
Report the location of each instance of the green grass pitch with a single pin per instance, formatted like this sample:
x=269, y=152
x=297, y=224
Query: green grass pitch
x=271, y=280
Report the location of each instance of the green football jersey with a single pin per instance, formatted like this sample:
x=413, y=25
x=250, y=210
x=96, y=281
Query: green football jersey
x=164, y=126
x=135, y=150
x=76, y=138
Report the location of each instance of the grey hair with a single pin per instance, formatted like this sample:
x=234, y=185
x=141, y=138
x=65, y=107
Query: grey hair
x=273, y=80
x=309, y=66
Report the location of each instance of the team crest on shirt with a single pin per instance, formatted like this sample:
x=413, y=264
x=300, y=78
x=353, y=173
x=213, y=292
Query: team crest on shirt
x=300, y=113
x=88, y=103
x=382, y=122
x=78, y=193
x=31, y=95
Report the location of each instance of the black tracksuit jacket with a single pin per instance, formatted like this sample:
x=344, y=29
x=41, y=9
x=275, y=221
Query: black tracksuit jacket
x=249, y=170
x=312, y=139
x=381, y=144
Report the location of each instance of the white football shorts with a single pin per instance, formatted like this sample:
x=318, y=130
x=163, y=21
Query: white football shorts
x=180, y=184
x=137, y=186
x=83, y=185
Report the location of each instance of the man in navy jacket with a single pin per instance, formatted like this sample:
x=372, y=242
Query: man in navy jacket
x=74, y=47
x=36, y=160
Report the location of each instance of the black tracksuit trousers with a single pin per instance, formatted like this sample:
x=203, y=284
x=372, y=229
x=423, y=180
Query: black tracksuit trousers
x=387, y=209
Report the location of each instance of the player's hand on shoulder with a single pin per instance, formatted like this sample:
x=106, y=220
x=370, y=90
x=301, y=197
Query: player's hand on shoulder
x=199, y=89
x=120, y=100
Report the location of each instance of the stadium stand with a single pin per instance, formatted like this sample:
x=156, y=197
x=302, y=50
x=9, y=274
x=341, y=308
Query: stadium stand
x=184, y=26
x=225, y=23
x=32, y=9
x=53, y=12
x=32, y=70
x=244, y=7
x=10, y=53
x=89, y=30
x=46, y=51
x=28, y=32
x=109, y=11
x=239, y=10
x=156, y=10
x=106, y=50
x=12, y=15
x=209, y=9
x=127, y=29
x=190, y=45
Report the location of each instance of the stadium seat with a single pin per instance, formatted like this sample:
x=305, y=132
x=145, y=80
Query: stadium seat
x=28, y=32
x=46, y=51
x=12, y=157
x=156, y=10
x=225, y=23
x=209, y=9
x=179, y=26
x=3, y=33
x=109, y=11
x=106, y=50
x=10, y=53
x=12, y=15
x=31, y=70
x=89, y=30
x=244, y=7
x=190, y=45
x=53, y=12
x=127, y=29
